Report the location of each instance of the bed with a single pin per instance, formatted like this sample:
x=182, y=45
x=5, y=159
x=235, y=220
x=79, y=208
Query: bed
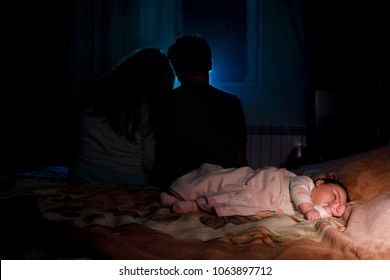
x=43, y=217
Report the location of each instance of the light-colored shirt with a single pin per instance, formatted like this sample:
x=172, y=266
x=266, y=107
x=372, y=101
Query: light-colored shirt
x=105, y=157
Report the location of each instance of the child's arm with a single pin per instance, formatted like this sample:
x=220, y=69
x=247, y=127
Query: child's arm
x=308, y=210
x=316, y=212
x=300, y=187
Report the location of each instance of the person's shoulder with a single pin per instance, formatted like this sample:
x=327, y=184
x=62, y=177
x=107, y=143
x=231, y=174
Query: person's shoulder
x=172, y=98
x=229, y=96
x=174, y=94
x=303, y=180
x=223, y=92
x=176, y=91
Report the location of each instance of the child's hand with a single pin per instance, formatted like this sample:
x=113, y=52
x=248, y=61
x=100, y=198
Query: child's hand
x=312, y=214
x=337, y=209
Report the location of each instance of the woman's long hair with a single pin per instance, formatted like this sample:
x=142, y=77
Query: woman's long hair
x=141, y=78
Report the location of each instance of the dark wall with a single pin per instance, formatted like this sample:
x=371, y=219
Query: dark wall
x=349, y=52
x=36, y=121
x=349, y=55
x=350, y=43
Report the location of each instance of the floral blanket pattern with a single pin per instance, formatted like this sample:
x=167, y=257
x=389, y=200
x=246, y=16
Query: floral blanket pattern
x=129, y=222
x=114, y=206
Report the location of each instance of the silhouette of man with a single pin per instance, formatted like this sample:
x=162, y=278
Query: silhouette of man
x=198, y=123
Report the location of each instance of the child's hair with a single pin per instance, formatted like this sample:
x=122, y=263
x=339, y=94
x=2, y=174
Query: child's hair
x=328, y=180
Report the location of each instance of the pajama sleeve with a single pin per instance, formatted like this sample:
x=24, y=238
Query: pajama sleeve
x=300, y=189
x=322, y=211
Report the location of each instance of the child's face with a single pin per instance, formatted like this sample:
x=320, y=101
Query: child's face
x=327, y=194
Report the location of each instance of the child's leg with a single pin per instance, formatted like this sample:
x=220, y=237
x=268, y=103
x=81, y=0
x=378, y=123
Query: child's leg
x=185, y=206
x=167, y=199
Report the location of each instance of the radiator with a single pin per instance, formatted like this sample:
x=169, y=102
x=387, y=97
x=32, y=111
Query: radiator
x=275, y=145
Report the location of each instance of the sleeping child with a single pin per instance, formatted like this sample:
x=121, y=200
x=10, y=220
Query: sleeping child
x=245, y=191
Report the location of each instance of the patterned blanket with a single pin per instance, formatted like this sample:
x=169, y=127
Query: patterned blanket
x=129, y=222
